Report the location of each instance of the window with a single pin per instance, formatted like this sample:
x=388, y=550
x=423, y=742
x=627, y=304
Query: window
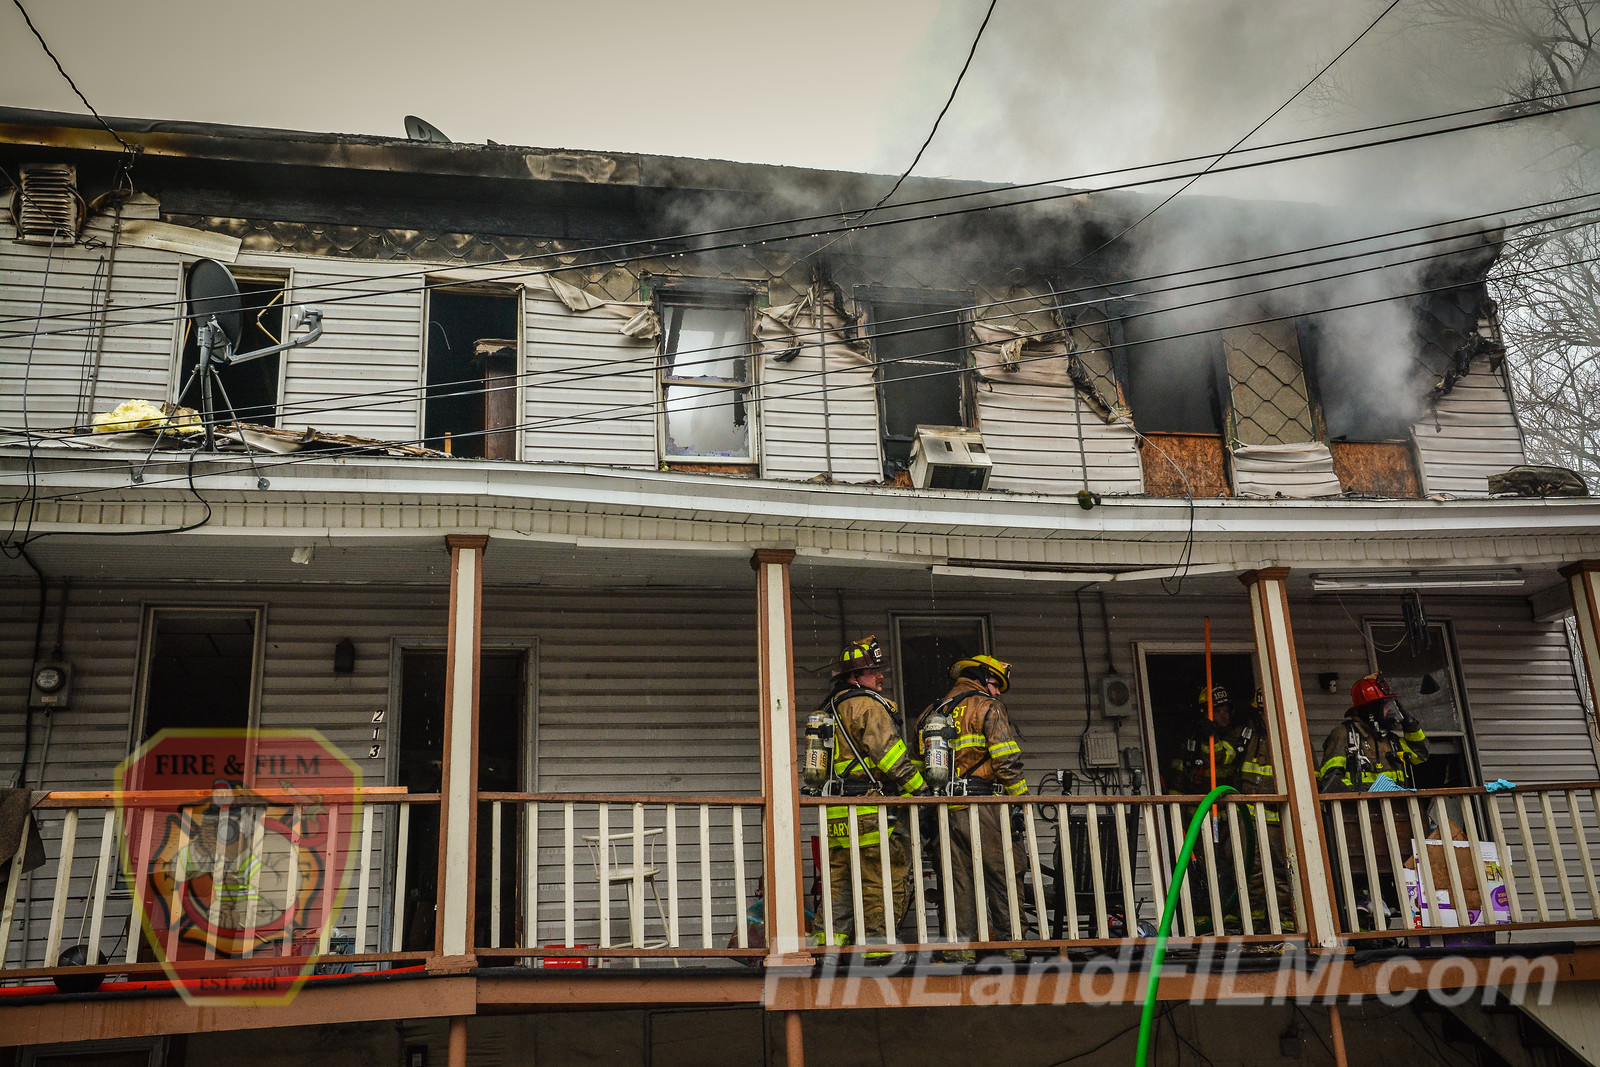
x=1173, y=384
x=200, y=668
x=919, y=346
x=1423, y=675
x=471, y=407
x=251, y=389
x=925, y=646
x=1174, y=682
x=707, y=374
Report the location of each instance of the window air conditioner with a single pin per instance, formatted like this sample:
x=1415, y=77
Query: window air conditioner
x=949, y=457
x=48, y=208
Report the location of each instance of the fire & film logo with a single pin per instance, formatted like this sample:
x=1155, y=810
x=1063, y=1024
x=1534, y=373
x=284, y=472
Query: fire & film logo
x=237, y=846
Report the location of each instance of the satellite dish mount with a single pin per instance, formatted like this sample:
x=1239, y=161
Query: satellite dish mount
x=217, y=310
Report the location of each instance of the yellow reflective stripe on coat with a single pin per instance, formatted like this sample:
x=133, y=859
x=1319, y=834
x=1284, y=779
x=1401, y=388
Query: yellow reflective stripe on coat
x=895, y=754
x=1004, y=749
x=970, y=741
x=1016, y=789
x=1256, y=768
x=1334, y=763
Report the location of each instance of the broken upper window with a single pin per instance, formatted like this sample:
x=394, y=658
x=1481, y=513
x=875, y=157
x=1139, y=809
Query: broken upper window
x=250, y=390
x=920, y=347
x=1269, y=404
x=472, y=371
x=1174, y=384
x=707, y=374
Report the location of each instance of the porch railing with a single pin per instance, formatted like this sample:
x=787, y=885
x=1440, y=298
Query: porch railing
x=1411, y=864
x=84, y=893
x=609, y=877
x=1078, y=870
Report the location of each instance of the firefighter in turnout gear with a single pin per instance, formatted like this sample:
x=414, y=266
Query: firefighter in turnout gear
x=1255, y=775
x=869, y=758
x=1190, y=771
x=1377, y=736
x=988, y=762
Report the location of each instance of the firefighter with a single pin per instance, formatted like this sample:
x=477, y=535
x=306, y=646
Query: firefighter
x=1190, y=770
x=1255, y=775
x=1377, y=736
x=988, y=762
x=869, y=758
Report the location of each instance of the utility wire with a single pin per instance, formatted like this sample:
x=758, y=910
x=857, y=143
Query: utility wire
x=313, y=457
x=952, y=99
x=649, y=249
x=126, y=147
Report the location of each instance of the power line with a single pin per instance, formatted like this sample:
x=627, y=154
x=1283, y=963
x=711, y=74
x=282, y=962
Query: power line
x=644, y=243
x=649, y=412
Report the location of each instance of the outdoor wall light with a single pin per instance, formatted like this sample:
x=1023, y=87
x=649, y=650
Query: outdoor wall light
x=344, y=657
x=1329, y=680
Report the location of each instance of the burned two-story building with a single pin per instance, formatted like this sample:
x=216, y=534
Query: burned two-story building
x=552, y=525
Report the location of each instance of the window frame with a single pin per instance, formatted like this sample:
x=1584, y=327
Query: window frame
x=957, y=303
x=501, y=290
x=897, y=623
x=248, y=274
x=1122, y=361
x=740, y=297
x=149, y=612
x=1444, y=635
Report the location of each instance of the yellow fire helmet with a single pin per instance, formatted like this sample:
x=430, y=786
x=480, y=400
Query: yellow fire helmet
x=1219, y=695
x=1001, y=670
x=860, y=655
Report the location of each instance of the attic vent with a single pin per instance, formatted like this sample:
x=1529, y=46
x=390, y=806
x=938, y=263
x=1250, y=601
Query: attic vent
x=48, y=207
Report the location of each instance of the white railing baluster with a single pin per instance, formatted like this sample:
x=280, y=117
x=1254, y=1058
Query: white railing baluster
x=402, y=847
x=1208, y=853
x=603, y=849
x=1531, y=856
x=9, y=908
x=1502, y=848
x=672, y=875
x=1185, y=893
x=1419, y=839
x=1097, y=871
x=705, y=875
x=1008, y=857
x=1558, y=856
x=1069, y=879
x=1125, y=869
x=58, y=904
x=336, y=861
x=495, y=824
x=1475, y=857
x=947, y=898
x=886, y=876
x=102, y=885
x=825, y=875
x=1580, y=836
x=1336, y=811
x=1159, y=884
x=1396, y=863
x=530, y=876
x=917, y=894
x=636, y=937
x=363, y=887
x=141, y=883
x=1370, y=861
x=1240, y=877
x=1035, y=870
x=856, y=897
x=980, y=891
x=569, y=923
x=741, y=911
x=219, y=857
x=1271, y=876
x=1458, y=896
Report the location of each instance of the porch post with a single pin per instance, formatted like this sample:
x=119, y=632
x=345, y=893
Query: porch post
x=780, y=783
x=1296, y=765
x=458, y=809
x=1583, y=579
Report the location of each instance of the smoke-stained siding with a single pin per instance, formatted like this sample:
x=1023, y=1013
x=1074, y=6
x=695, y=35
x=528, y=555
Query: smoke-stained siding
x=807, y=418
x=363, y=376
x=1477, y=436
x=1032, y=434
x=139, y=344
x=590, y=390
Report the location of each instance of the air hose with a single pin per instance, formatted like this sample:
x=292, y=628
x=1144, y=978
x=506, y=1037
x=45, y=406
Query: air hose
x=1182, y=868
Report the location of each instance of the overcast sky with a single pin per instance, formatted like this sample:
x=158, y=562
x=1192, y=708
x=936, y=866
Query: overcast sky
x=1057, y=88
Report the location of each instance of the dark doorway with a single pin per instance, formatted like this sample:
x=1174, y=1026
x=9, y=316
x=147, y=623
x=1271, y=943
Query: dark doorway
x=502, y=741
x=201, y=670
x=471, y=408
x=1176, y=680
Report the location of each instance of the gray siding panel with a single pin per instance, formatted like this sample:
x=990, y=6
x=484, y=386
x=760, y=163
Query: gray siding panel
x=1476, y=436
x=1032, y=433
x=802, y=425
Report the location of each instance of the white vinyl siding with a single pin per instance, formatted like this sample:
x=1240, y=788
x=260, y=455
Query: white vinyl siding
x=1477, y=436
x=1032, y=434
x=803, y=426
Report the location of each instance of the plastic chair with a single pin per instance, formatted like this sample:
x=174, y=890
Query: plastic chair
x=614, y=865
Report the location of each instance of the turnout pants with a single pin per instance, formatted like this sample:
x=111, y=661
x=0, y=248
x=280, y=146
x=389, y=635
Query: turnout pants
x=1257, y=879
x=962, y=895
x=872, y=890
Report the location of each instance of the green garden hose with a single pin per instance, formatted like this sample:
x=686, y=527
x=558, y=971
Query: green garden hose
x=1181, y=869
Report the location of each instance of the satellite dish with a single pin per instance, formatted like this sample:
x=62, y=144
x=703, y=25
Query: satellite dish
x=213, y=292
x=423, y=130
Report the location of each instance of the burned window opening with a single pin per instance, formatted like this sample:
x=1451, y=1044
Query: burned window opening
x=201, y=669
x=919, y=348
x=251, y=388
x=707, y=374
x=471, y=406
x=1173, y=384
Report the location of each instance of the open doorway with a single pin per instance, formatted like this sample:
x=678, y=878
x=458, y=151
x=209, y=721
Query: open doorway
x=1174, y=684
x=504, y=739
x=471, y=407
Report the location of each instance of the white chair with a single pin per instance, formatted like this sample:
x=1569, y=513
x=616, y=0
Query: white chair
x=615, y=864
